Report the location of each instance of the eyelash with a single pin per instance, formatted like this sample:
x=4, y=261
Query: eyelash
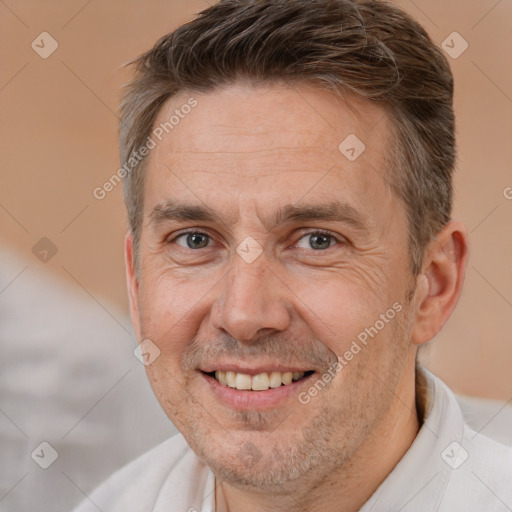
x=309, y=233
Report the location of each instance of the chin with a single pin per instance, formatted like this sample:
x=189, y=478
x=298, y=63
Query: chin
x=260, y=463
x=267, y=476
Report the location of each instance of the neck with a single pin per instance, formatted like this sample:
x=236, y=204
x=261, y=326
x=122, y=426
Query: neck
x=351, y=485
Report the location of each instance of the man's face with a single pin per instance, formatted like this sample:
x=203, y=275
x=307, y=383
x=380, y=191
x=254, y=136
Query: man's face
x=270, y=283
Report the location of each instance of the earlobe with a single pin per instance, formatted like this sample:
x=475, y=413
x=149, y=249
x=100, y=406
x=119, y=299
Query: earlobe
x=440, y=285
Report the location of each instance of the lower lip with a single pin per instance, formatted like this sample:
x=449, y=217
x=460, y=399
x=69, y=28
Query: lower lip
x=254, y=400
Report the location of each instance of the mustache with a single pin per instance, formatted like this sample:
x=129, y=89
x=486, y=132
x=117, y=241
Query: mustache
x=284, y=348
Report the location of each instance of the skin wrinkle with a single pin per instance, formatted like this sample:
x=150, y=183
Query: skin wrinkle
x=278, y=149
x=242, y=173
x=289, y=305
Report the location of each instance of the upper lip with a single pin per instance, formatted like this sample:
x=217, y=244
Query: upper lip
x=253, y=369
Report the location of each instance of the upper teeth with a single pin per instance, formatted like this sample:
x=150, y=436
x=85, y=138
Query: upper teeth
x=259, y=382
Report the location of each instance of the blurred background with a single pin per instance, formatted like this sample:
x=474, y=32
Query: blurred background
x=68, y=376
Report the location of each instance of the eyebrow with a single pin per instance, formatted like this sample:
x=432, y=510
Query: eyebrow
x=336, y=211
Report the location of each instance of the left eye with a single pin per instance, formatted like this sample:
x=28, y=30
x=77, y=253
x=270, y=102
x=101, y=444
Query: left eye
x=194, y=240
x=317, y=240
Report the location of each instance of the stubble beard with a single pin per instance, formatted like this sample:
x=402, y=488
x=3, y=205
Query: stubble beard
x=292, y=460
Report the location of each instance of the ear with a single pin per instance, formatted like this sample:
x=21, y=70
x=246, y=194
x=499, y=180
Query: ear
x=132, y=283
x=439, y=286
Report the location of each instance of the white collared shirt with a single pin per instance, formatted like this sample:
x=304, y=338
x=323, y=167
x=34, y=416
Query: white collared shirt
x=448, y=468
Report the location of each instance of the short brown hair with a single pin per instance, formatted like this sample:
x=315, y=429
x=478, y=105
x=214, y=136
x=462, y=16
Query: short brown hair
x=367, y=48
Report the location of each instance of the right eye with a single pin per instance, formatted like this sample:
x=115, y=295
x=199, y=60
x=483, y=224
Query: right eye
x=193, y=240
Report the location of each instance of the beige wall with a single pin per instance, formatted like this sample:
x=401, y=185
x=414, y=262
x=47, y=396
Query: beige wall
x=58, y=142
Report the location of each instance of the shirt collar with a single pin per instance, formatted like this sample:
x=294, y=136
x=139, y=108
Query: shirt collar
x=421, y=476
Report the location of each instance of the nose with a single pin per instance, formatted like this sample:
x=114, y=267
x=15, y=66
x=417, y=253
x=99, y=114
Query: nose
x=252, y=300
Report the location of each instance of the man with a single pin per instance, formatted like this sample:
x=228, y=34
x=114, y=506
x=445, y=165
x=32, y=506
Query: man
x=288, y=170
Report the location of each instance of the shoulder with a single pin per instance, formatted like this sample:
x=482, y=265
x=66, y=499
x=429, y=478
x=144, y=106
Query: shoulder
x=472, y=472
x=481, y=477
x=136, y=486
x=487, y=473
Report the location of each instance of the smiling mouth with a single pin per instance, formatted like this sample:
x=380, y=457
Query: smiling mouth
x=259, y=382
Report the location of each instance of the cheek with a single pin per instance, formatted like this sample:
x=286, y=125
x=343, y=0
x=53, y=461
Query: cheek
x=169, y=389
x=339, y=307
x=169, y=314
x=166, y=302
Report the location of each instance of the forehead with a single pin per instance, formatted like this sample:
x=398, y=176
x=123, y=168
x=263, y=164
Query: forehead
x=266, y=143
x=244, y=113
